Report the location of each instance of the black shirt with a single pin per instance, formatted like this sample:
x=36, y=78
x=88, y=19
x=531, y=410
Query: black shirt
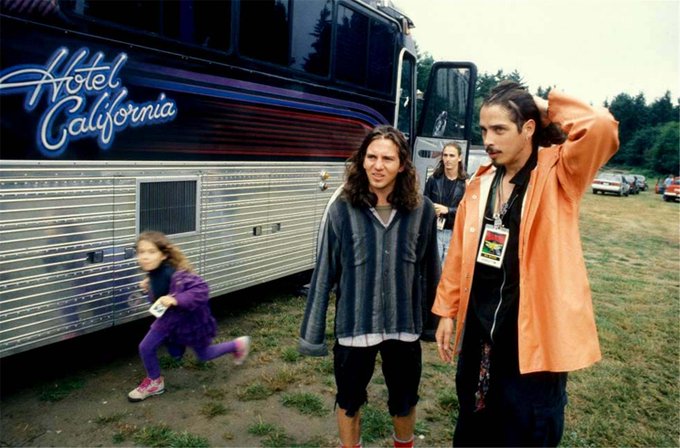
x=494, y=299
x=442, y=190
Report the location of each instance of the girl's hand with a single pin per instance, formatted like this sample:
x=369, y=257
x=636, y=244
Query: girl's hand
x=168, y=301
x=144, y=284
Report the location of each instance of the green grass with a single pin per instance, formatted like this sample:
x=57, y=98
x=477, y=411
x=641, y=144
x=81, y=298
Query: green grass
x=213, y=409
x=109, y=419
x=159, y=436
x=376, y=424
x=263, y=429
x=58, y=391
x=256, y=391
x=631, y=397
x=291, y=355
x=305, y=403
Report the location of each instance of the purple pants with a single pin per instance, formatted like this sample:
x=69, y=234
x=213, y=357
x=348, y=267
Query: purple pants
x=148, y=349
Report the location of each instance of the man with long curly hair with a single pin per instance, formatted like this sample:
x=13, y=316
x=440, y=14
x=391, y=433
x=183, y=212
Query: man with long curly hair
x=514, y=278
x=378, y=249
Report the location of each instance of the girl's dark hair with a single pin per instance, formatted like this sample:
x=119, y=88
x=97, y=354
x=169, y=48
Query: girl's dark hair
x=356, y=189
x=439, y=170
x=521, y=106
x=176, y=258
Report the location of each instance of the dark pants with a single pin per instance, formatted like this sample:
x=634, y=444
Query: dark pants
x=521, y=410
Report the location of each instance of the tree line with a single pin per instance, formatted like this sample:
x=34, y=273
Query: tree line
x=649, y=134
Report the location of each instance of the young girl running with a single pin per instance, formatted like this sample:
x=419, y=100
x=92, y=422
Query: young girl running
x=187, y=322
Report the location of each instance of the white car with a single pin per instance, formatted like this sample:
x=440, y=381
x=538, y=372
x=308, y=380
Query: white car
x=610, y=183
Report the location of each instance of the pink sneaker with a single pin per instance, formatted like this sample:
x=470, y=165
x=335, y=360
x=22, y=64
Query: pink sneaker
x=242, y=349
x=148, y=388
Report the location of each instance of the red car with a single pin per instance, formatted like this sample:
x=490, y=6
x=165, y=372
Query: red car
x=672, y=191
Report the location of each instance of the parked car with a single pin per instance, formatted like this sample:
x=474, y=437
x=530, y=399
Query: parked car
x=641, y=181
x=672, y=191
x=610, y=183
x=634, y=189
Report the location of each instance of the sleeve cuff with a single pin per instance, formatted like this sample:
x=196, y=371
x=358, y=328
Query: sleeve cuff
x=309, y=349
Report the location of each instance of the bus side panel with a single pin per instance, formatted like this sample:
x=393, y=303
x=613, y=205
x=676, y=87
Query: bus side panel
x=68, y=264
x=56, y=257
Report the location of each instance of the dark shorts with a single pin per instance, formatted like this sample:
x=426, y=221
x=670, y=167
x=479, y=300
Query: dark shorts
x=401, y=367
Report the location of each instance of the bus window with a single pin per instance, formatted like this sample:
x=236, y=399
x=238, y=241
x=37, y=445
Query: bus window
x=206, y=23
x=380, y=59
x=311, y=40
x=364, y=55
x=141, y=15
x=269, y=40
x=350, y=47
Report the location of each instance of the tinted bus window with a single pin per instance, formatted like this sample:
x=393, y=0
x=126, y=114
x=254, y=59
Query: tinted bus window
x=140, y=14
x=351, y=46
x=381, y=56
x=311, y=43
x=206, y=23
x=198, y=22
x=264, y=30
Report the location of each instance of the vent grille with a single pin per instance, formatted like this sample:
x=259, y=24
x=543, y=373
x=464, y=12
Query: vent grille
x=170, y=207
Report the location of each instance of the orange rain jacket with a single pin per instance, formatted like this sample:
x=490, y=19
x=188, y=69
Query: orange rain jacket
x=556, y=322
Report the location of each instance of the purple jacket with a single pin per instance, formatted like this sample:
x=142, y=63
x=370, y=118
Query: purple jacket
x=190, y=322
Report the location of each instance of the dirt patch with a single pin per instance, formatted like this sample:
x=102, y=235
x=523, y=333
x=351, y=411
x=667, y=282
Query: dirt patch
x=75, y=393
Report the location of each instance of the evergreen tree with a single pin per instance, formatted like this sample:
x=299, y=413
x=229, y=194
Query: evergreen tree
x=665, y=157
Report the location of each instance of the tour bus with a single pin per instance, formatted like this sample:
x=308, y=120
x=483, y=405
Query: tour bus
x=225, y=124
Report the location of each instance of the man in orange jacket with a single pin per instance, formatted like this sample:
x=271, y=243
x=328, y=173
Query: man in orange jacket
x=514, y=277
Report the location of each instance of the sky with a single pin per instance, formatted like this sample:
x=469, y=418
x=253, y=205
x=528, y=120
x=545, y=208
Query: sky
x=592, y=49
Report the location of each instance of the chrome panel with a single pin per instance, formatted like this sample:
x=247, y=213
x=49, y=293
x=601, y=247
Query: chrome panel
x=56, y=215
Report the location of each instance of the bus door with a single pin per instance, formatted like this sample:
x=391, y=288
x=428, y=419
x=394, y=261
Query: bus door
x=446, y=114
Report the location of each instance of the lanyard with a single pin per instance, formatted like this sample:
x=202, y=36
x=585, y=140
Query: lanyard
x=500, y=211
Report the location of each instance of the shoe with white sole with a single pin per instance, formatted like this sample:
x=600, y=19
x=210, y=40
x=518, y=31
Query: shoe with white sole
x=147, y=388
x=242, y=349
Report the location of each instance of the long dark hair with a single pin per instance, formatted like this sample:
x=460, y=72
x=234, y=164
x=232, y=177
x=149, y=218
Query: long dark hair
x=521, y=106
x=405, y=193
x=462, y=175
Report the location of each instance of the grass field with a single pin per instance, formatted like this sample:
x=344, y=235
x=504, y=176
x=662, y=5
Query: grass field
x=279, y=398
x=631, y=397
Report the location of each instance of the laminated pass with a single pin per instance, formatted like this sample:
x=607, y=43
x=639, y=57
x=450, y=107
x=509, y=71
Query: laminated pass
x=157, y=309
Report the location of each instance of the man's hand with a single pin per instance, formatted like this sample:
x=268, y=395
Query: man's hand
x=443, y=337
x=542, y=105
x=440, y=209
